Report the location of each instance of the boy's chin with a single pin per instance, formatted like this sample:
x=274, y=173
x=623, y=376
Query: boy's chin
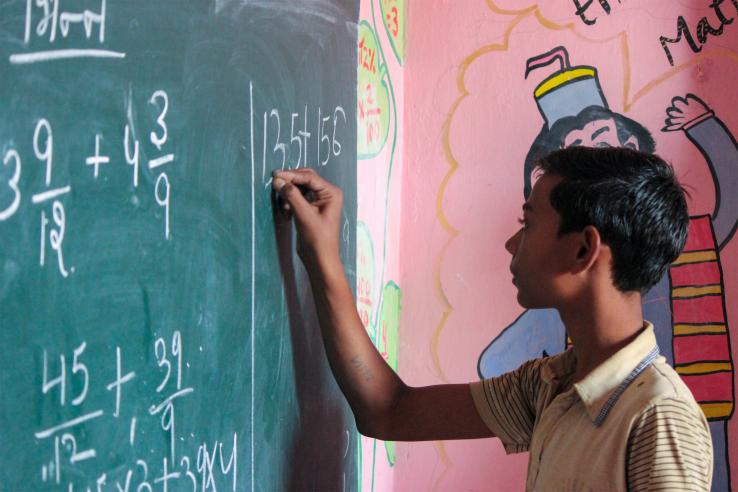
x=528, y=303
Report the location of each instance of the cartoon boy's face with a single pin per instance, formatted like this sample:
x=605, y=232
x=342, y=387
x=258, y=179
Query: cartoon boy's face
x=594, y=126
x=598, y=133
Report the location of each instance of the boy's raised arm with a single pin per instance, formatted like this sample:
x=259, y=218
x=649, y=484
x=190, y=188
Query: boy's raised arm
x=383, y=405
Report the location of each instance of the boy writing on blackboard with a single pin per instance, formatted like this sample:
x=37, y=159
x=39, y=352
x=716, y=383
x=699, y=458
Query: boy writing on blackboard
x=600, y=227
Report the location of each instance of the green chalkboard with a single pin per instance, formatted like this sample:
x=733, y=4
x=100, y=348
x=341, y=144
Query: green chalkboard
x=157, y=330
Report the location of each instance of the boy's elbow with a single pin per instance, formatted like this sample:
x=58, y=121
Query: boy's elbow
x=382, y=418
x=374, y=427
x=381, y=423
x=366, y=430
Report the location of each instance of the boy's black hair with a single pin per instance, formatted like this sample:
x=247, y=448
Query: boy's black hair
x=632, y=198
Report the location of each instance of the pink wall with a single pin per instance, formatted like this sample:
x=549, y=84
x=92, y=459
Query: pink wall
x=469, y=120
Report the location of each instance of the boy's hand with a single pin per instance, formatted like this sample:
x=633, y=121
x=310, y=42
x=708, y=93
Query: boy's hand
x=316, y=205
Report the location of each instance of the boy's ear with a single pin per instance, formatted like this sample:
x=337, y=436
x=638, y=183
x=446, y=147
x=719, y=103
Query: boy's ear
x=588, y=249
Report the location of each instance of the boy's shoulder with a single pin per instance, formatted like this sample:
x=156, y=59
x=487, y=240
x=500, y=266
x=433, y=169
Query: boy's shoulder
x=659, y=384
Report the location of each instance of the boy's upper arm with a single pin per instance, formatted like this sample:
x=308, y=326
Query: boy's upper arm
x=432, y=413
x=503, y=407
x=508, y=404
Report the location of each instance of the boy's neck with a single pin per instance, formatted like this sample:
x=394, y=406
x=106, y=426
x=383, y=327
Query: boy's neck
x=599, y=326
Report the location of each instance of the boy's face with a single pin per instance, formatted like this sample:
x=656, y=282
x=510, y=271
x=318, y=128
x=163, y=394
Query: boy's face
x=540, y=257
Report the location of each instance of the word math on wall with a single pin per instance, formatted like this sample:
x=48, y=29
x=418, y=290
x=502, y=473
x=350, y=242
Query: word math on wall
x=155, y=321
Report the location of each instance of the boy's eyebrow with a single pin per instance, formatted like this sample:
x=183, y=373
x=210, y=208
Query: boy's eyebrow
x=527, y=207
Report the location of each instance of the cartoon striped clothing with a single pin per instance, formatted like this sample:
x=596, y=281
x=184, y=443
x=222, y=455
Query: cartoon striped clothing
x=701, y=343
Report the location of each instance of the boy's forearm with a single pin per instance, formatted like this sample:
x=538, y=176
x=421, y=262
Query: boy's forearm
x=383, y=405
x=368, y=382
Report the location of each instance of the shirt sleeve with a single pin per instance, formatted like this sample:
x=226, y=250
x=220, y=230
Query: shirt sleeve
x=670, y=448
x=507, y=405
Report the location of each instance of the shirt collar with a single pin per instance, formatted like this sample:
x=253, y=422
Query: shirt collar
x=602, y=387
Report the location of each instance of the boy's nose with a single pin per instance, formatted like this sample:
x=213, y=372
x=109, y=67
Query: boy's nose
x=511, y=245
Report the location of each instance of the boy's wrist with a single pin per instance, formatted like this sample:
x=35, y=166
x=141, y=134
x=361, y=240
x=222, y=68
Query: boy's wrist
x=325, y=268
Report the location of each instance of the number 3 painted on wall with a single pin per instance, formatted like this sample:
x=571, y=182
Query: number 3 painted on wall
x=12, y=154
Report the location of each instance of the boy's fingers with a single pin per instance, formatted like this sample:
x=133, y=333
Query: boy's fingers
x=306, y=178
x=291, y=195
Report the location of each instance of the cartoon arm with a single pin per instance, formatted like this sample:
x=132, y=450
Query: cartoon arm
x=720, y=149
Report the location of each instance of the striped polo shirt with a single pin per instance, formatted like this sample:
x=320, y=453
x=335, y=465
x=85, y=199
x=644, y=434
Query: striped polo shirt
x=630, y=424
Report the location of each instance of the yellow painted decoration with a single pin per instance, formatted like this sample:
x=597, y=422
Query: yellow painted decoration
x=685, y=292
x=717, y=410
x=560, y=79
x=704, y=367
x=685, y=329
x=695, y=257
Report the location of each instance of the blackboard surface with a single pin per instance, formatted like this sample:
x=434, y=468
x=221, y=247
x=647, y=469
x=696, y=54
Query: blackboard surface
x=156, y=328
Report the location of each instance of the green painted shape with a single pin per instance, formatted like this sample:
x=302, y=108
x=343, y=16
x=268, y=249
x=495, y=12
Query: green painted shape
x=389, y=324
x=131, y=286
x=393, y=15
x=389, y=338
x=390, y=447
x=373, y=106
x=365, y=289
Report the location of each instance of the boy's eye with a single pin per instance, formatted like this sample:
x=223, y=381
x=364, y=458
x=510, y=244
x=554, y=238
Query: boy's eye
x=522, y=222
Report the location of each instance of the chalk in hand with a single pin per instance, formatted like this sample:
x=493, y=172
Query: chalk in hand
x=278, y=185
